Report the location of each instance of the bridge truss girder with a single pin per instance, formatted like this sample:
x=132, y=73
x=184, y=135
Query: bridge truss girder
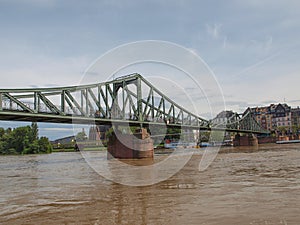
x=129, y=99
x=126, y=100
x=238, y=124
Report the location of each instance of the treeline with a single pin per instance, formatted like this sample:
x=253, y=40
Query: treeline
x=23, y=140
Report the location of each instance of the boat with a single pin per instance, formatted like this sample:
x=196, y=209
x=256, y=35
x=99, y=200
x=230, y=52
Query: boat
x=171, y=144
x=216, y=143
x=288, y=142
x=179, y=144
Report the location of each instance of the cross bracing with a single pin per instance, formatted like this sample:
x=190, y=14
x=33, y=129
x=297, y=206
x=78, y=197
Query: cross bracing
x=128, y=99
x=242, y=124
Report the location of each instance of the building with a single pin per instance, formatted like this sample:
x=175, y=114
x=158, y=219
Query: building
x=281, y=116
x=273, y=117
x=295, y=114
x=97, y=133
x=262, y=115
x=223, y=117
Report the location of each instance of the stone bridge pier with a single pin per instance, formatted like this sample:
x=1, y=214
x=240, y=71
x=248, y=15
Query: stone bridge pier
x=130, y=146
x=247, y=140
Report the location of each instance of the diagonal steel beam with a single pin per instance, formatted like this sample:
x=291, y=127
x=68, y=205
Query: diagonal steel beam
x=68, y=94
x=49, y=104
x=19, y=103
x=96, y=101
x=70, y=105
x=131, y=103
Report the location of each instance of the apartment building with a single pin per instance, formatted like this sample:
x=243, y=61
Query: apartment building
x=223, y=117
x=273, y=116
x=295, y=113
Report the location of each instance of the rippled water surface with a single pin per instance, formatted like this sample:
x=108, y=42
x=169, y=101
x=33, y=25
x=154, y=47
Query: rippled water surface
x=242, y=186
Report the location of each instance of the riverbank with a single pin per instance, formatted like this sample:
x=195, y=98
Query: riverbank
x=96, y=148
x=165, y=151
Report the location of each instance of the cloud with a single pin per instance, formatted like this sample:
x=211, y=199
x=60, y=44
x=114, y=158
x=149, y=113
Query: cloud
x=257, y=64
x=269, y=43
x=268, y=102
x=61, y=71
x=33, y=86
x=294, y=101
x=34, y=3
x=224, y=42
x=214, y=30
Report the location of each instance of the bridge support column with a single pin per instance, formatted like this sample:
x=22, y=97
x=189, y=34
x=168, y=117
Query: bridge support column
x=128, y=146
x=247, y=140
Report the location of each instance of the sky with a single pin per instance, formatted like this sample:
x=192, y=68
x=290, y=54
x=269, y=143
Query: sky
x=252, y=48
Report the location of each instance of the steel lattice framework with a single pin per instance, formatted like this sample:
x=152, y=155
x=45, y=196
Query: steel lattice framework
x=240, y=124
x=129, y=99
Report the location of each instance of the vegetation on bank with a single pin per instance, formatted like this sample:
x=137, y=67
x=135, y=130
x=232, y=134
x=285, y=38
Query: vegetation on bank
x=158, y=133
x=23, y=140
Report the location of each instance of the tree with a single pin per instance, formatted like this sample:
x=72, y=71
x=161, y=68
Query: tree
x=2, y=132
x=173, y=133
x=34, y=134
x=7, y=140
x=44, y=144
x=23, y=140
x=20, y=140
x=31, y=148
x=282, y=130
x=81, y=136
x=295, y=129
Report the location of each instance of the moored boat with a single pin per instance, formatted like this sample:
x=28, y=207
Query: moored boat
x=288, y=142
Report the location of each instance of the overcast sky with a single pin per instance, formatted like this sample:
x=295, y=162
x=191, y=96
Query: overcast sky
x=252, y=47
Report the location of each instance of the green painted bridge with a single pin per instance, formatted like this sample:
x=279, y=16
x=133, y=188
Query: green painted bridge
x=129, y=100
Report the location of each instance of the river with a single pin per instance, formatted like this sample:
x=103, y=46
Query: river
x=242, y=186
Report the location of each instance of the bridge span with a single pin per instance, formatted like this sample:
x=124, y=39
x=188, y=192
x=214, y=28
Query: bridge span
x=129, y=100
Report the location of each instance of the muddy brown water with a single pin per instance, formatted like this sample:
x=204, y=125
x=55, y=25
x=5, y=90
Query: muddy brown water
x=242, y=186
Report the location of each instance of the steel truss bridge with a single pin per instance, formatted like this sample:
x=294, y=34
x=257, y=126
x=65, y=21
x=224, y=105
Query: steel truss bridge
x=129, y=100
